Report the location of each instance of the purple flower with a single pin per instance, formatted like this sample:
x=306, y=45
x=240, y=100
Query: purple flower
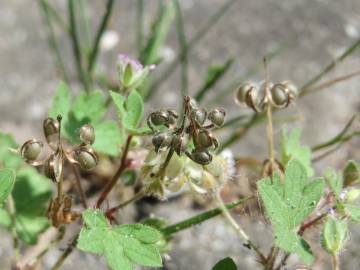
x=131, y=72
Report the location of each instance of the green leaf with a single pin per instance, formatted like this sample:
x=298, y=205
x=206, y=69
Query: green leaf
x=134, y=107
x=213, y=75
x=225, y=264
x=31, y=194
x=335, y=182
x=334, y=235
x=7, y=180
x=8, y=159
x=123, y=245
x=108, y=138
x=130, y=110
x=353, y=211
x=351, y=173
x=160, y=30
x=89, y=106
x=61, y=102
x=288, y=204
x=292, y=149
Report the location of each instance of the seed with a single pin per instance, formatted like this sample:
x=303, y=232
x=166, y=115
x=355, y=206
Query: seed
x=51, y=127
x=31, y=149
x=200, y=156
x=199, y=115
x=159, y=118
x=279, y=95
x=87, y=134
x=161, y=140
x=86, y=157
x=240, y=94
x=204, y=139
x=217, y=116
x=53, y=167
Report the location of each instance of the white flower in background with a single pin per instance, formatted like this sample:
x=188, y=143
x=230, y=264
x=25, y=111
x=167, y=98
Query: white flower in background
x=131, y=72
x=109, y=40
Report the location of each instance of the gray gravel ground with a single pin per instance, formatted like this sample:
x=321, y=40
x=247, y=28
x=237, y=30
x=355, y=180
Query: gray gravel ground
x=314, y=31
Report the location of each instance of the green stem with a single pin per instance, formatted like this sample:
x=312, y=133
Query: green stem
x=95, y=49
x=140, y=25
x=335, y=260
x=183, y=48
x=45, y=7
x=330, y=66
x=76, y=45
x=52, y=11
x=185, y=224
x=190, y=45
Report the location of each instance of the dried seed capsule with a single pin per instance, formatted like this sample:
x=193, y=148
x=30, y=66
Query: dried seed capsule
x=86, y=157
x=53, y=167
x=253, y=98
x=31, y=149
x=159, y=118
x=204, y=139
x=178, y=144
x=161, y=140
x=217, y=116
x=280, y=95
x=200, y=156
x=199, y=115
x=87, y=134
x=51, y=127
x=240, y=94
x=293, y=90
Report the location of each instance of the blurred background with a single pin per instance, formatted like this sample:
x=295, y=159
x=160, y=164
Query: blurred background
x=300, y=38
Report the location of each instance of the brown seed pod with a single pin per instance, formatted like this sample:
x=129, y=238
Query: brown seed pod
x=86, y=158
x=199, y=116
x=253, y=99
x=217, y=116
x=161, y=140
x=51, y=128
x=87, y=134
x=53, y=167
x=280, y=96
x=31, y=149
x=240, y=94
x=205, y=139
x=200, y=156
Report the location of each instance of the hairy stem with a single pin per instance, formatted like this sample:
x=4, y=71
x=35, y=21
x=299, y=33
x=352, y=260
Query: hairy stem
x=65, y=254
x=15, y=238
x=247, y=242
x=115, y=178
x=138, y=196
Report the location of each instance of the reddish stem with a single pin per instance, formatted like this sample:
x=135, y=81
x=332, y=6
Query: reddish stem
x=110, y=185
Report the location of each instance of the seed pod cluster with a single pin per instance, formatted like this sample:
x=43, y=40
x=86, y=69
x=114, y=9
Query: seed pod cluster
x=174, y=133
x=254, y=95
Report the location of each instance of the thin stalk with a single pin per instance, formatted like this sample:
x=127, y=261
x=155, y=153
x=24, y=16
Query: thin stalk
x=327, y=84
x=190, y=45
x=65, y=254
x=76, y=45
x=138, y=196
x=183, y=48
x=335, y=261
x=95, y=49
x=52, y=42
x=270, y=132
x=338, y=138
x=52, y=11
x=140, y=25
x=84, y=24
x=331, y=65
x=79, y=186
x=15, y=238
x=115, y=178
x=247, y=242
